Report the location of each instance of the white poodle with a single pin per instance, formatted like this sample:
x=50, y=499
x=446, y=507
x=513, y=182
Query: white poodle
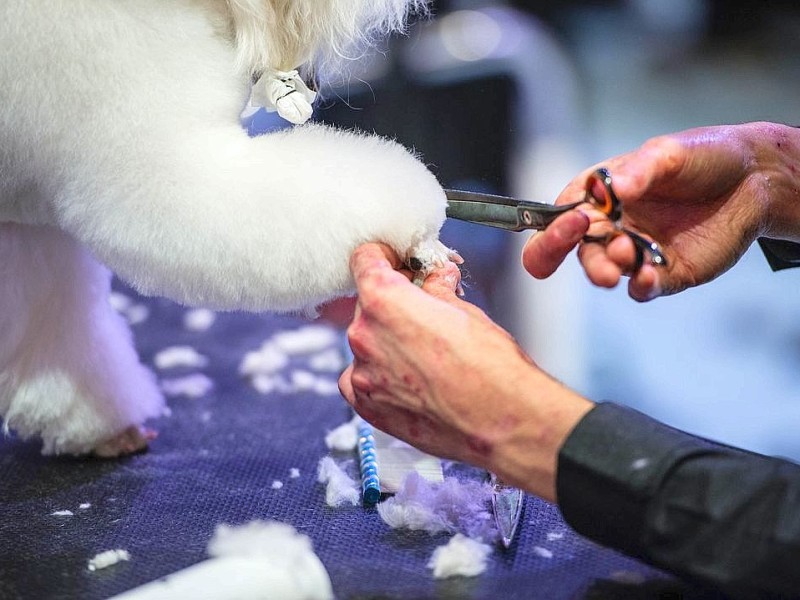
x=121, y=145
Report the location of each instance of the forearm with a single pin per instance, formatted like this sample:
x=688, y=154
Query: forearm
x=697, y=508
x=545, y=413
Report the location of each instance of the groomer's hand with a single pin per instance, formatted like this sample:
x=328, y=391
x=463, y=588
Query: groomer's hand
x=703, y=194
x=435, y=371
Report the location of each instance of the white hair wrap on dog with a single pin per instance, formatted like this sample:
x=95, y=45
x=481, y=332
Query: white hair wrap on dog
x=283, y=34
x=284, y=92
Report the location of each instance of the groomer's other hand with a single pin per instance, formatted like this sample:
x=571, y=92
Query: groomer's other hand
x=704, y=195
x=435, y=371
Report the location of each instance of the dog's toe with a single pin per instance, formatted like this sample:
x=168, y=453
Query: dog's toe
x=427, y=256
x=130, y=441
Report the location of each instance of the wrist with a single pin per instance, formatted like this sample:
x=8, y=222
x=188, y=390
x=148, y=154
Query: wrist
x=527, y=456
x=777, y=156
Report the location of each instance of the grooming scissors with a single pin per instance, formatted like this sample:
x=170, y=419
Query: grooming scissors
x=518, y=215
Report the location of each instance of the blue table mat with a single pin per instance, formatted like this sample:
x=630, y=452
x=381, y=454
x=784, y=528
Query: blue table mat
x=214, y=461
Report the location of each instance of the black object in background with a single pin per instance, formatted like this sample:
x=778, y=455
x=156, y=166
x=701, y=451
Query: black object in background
x=464, y=132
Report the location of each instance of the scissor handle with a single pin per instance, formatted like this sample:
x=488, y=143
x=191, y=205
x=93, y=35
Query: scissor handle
x=600, y=193
x=642, y=245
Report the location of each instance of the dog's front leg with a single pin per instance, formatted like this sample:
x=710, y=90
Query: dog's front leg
x=222, y=220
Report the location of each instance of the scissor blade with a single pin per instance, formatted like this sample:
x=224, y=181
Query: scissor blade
x=495, y=215
x=507, y=506
x=501, y=211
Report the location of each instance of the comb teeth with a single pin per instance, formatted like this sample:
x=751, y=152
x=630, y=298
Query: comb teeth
x=396, y=460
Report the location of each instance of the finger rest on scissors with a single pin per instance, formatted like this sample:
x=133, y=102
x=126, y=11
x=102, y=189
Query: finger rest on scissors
x=642, y=246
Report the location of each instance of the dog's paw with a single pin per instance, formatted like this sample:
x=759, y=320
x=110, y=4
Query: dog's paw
x=130, y=441
x=427, y=256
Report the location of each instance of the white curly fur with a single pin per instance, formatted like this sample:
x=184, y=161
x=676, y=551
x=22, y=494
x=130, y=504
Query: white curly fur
x=120, y=146
x=285, y=34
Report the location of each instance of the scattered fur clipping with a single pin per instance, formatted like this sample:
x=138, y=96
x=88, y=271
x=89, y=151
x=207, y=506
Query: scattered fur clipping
x=108, y=558
x=179, y=356
x=298, y=381
x=133, y=313
x=344, y=438
x=331, y=361
x=340, y=487
x=138, y=313
x=302, y=380
x=196, y=385
x=264, y=366
x=199, y=319
x=305, y=340
x=257, y=561
x=268, y=359
x=453, y=505
x=460, y=556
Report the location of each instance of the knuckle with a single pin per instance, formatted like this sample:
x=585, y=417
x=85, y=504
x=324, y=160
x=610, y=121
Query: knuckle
x=668, y=149
x=359, y=254
x=359, y=346
x=372, y=304
x=361, y=382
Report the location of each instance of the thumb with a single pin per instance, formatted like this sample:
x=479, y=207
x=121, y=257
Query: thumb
x=373, y=266
x=443, y=282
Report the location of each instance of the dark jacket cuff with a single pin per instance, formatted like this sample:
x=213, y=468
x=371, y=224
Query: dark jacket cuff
x=780, y=254
x=611, y=466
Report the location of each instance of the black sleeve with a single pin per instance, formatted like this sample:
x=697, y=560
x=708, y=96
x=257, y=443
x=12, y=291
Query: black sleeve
x=780, y=254
x=702, y=510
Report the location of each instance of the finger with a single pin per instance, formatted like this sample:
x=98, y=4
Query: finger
x=443, y=282
x=392, y=256
x=374, y=261
x=361, y=336
x=376, y=279
x=575, y=190
x=645, y=284
x=361, y=383
x=545, y=251
x=622, y=251
x=599, y=268
x=346, y=385
x=358, y=399
x=407, y=273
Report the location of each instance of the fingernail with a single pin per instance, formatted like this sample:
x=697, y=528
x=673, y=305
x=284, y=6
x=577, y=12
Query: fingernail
x=654, y=293
x=451, y=280
x=456, y=257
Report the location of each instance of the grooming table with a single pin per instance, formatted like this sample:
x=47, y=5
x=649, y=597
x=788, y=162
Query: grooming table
x=214, y=462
